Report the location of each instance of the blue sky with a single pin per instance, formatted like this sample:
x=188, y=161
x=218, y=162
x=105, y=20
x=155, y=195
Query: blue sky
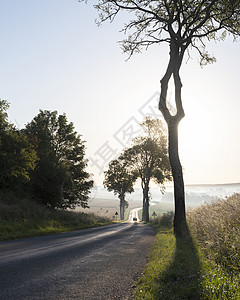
x=53, y=56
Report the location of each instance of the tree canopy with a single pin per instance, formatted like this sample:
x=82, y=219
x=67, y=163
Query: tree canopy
x=184, y=25
x=186, y=22
x=119, y=180
x=148, y=158
x=59, y=179
x=18, y=157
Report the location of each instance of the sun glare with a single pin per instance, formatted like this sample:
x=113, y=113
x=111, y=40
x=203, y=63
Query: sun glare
x=194, y=146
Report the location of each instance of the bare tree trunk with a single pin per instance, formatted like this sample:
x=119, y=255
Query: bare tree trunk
x=176, y=55
x=122, y=198
x=147, y=200
x=179, y=195
x=144, y=206
x=145, y=213
x=147, y=210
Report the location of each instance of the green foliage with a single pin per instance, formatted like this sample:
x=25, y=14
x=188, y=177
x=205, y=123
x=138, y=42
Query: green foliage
x=118, y=179
x=17, y=155
x=186, y=22
x=148, y=158
x=60, y=179
x=46, y=160
x=4, y=106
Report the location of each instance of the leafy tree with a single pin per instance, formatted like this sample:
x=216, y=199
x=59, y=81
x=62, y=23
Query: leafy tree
x=60, y=179
x=17, y=155
x=119, y=180
x=184, y=25
x=148, y=158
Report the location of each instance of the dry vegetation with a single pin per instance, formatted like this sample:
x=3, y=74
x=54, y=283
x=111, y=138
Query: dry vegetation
x=204, y=264
x=216, y=227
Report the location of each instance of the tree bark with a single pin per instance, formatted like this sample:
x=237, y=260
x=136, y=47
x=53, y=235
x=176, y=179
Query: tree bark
x=145, y=213
x=176, y=55
x=122, y=198
x=147, y=200
x=144, y=206
x=179, y=195
x=147, y=210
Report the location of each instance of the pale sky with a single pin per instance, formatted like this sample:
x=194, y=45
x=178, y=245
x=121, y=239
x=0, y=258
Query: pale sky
x=53, y=56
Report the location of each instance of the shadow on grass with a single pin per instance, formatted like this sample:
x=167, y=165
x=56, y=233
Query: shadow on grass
x=182, y=278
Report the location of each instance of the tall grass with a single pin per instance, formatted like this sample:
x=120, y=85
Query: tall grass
x=24, y=218
x=204, y=264
x=216, y=228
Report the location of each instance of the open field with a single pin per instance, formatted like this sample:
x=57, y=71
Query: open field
x=160, y=208
x=107, y=207
x=105, y=204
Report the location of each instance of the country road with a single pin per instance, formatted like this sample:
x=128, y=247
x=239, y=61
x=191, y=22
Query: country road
x=90, y=264
x=134, y=214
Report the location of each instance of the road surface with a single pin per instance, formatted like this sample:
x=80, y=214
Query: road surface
x=91, y=264
x=134, y=214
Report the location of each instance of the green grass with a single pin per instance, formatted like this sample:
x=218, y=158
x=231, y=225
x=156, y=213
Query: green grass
x=24, y=218
x=204, y=264
x=174, y=268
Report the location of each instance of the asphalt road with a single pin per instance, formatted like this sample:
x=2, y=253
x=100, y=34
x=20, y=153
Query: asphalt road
x=134, y=214
x=97, y=263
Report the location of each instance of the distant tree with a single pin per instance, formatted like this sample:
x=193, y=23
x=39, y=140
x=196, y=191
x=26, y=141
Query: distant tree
x=119, y=180
x=60, y=179
x=184, y=25
x=17, y=155
x=148, y=158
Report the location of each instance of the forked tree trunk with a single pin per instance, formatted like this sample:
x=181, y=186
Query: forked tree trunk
x=176, y=56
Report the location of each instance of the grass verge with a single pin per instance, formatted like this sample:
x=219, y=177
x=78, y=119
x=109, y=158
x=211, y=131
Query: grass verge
x=23, y=218
x=204, y=264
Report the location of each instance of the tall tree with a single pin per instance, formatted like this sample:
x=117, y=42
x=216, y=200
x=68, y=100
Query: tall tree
x=60, y=179
x=148, y=158
x=183, y=25
x=119, y=180
x=17, y=155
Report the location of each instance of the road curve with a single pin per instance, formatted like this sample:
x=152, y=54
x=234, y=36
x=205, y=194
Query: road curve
x=134, y=214
x=91, y=264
